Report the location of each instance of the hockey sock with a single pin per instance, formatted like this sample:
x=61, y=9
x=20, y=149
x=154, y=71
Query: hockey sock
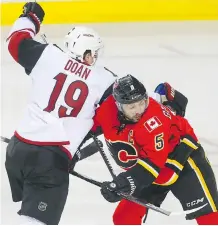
x=209, y=219
x=128, y=213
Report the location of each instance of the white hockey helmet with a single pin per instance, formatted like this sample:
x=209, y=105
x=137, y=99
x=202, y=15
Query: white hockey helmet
x=80, y=39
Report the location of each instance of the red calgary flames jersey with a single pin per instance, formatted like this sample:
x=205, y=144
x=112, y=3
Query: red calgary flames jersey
x=151, y=139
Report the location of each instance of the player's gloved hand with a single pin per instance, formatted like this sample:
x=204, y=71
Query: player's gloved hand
x=88, y=150
x=160, y=89
x=165, y=89
x=172, y=98
x=123, y=183
x=108, y=192
x=34, y=12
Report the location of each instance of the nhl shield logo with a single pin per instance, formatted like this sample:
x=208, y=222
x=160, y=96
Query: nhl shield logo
x=42, y=206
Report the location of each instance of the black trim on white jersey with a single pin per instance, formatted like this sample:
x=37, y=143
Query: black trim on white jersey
x=29, y=52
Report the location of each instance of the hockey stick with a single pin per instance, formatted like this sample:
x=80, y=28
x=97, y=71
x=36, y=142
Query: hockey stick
x=134, y=199
x=85, y=178
x=104, y=157
x=148, y=205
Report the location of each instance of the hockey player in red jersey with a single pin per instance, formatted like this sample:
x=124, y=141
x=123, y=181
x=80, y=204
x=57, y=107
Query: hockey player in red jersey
x=160, y=153
x=66, y=88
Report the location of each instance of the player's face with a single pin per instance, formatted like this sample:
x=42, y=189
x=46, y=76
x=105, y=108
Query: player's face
x=135, y=111
x=89, y=59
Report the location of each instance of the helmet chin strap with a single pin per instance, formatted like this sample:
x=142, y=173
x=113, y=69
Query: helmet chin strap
x=95, y=55
x=119, y=106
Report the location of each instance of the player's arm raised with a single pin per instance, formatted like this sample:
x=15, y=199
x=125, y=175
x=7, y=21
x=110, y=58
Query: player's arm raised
x=21, y=45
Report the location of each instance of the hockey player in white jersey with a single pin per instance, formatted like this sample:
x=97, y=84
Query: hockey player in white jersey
x=66, y=89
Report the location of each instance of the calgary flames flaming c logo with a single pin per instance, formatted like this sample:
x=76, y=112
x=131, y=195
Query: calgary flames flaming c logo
x=123, y=153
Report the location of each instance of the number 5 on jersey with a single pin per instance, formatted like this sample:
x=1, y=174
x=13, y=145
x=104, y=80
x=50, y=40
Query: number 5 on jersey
x=159, y=142
x=74, y=97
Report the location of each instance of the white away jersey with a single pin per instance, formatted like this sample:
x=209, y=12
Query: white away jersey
x=63, y=98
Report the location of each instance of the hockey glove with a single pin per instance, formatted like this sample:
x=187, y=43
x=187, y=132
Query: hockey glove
x=108, y=193
x=172, y=98
x=123, y=183
x=88, y=151
x=35, y=13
